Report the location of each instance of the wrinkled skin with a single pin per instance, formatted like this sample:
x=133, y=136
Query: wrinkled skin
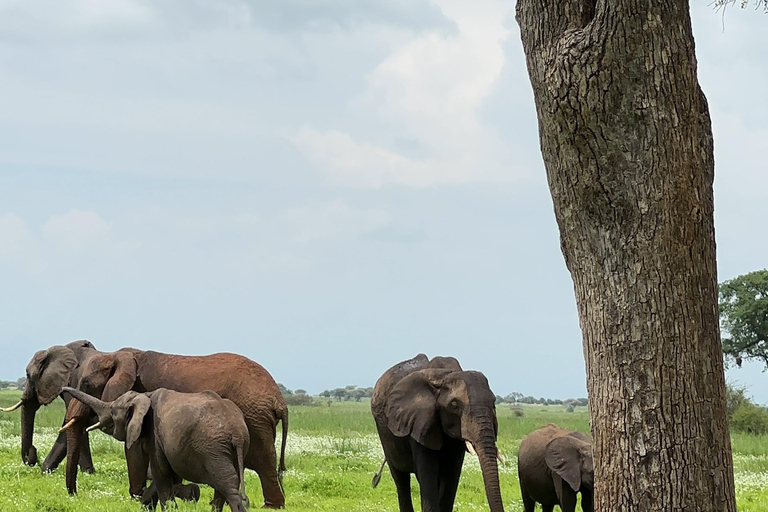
x=197, y=436
x=425, y=412
x=47, y=372
x=553, y=465
x=237, y=378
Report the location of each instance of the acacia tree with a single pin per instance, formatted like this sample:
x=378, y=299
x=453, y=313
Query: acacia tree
x=627, y=144
x=744, y=317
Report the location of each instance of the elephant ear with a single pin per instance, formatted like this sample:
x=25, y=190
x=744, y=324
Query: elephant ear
x=125, y=370
x=412, y=408
x=563, y=456
x=49, y=371
x=140, y=406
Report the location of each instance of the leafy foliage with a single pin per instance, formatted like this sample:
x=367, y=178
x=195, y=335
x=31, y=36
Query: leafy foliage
x=743, y=414
x=744, y=317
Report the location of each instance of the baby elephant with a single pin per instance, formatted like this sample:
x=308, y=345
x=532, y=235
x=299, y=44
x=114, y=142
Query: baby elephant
x=553, y=465
x=200, y=437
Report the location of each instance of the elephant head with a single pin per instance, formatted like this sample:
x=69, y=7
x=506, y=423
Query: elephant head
x=47, y=372
x=442, y=400
x=121, y=418
x=570, y=458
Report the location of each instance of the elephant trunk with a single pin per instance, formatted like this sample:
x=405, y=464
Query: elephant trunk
x=74, y=441
x=78, y=407
x=28, y=450
x=485, y=446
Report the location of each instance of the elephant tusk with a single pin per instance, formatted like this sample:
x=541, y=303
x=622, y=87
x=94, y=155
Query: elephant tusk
x=94, y=426
x=470, y=448
x=13, y=407
x=501, y=458
x=68, y=424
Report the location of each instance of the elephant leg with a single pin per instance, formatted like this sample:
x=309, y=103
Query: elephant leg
x=528, y=503
x=587, y=501
x=138, y=462
x=217, y=503
x=451, y=462
x=427, y=465
x=57, y=454
x=403, y=485
x=261, y=458
x=568, y=499
x=547, y=508
x=164, y=478
x=86, y=462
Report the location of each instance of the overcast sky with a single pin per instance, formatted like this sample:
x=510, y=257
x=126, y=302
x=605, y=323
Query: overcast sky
x=326, y=186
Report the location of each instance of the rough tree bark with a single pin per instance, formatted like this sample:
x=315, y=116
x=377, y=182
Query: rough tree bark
x=627, y=144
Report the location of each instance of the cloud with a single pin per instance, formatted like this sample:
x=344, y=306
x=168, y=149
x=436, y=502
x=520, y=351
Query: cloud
x=75, y=230
x=317, y=221
x=426, y=96
x=330, y=14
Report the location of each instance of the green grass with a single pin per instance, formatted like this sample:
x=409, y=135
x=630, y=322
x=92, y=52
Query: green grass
x=332, y=454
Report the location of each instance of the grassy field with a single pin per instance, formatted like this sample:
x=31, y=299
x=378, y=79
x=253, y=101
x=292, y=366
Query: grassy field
x=332, y=454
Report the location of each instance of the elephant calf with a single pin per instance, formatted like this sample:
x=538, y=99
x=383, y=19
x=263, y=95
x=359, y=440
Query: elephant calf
x=553, y=465
x=200, y=437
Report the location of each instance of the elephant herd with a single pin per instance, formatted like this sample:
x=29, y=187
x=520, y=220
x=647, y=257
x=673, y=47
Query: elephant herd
x=205, y=419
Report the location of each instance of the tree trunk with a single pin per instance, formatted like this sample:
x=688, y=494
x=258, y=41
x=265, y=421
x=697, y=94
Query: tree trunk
x=627, y=144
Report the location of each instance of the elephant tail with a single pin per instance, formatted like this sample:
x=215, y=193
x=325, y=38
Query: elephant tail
x=284, y=418
x=239, y=456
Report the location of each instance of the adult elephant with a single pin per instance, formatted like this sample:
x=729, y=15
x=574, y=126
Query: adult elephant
x=232, y=376
x=428, y=413
x=553, y=465
x=47, y=372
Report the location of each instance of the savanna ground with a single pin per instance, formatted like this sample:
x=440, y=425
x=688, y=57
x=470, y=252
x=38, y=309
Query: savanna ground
x=332, y=454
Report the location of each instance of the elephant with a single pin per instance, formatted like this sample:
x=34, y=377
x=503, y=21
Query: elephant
x=185, y=492
x=553, y=465
x=197, y=436
x=232, y=376
x=47, y=372
x=428, y=414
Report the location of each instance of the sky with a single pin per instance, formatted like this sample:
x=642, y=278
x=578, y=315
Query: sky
x=327, y=187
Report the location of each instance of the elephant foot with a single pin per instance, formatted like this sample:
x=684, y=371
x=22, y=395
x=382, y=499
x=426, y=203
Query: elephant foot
x=31, y=458
x=88, y=469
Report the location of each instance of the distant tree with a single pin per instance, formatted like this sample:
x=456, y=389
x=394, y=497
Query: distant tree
x=743, y=414
x=339, y=393
x=744, y=317
x=358, y=394
x=326, y=394
x=21, y=382
x=284, y=390
x=301, y=392
x=499, y=399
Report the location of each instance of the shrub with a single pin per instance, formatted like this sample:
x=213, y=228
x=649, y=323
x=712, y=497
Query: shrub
x=751, y=419
x=569, y=408
x=743, y=414
x=517, y=411
x=301, y=399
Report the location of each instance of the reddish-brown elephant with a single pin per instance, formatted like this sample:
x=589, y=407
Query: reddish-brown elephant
x=232, y=376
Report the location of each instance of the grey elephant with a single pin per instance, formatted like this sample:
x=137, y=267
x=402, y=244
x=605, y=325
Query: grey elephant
x=428, y=414
x=200, y=437
x=553, y=465
x=47, y=372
